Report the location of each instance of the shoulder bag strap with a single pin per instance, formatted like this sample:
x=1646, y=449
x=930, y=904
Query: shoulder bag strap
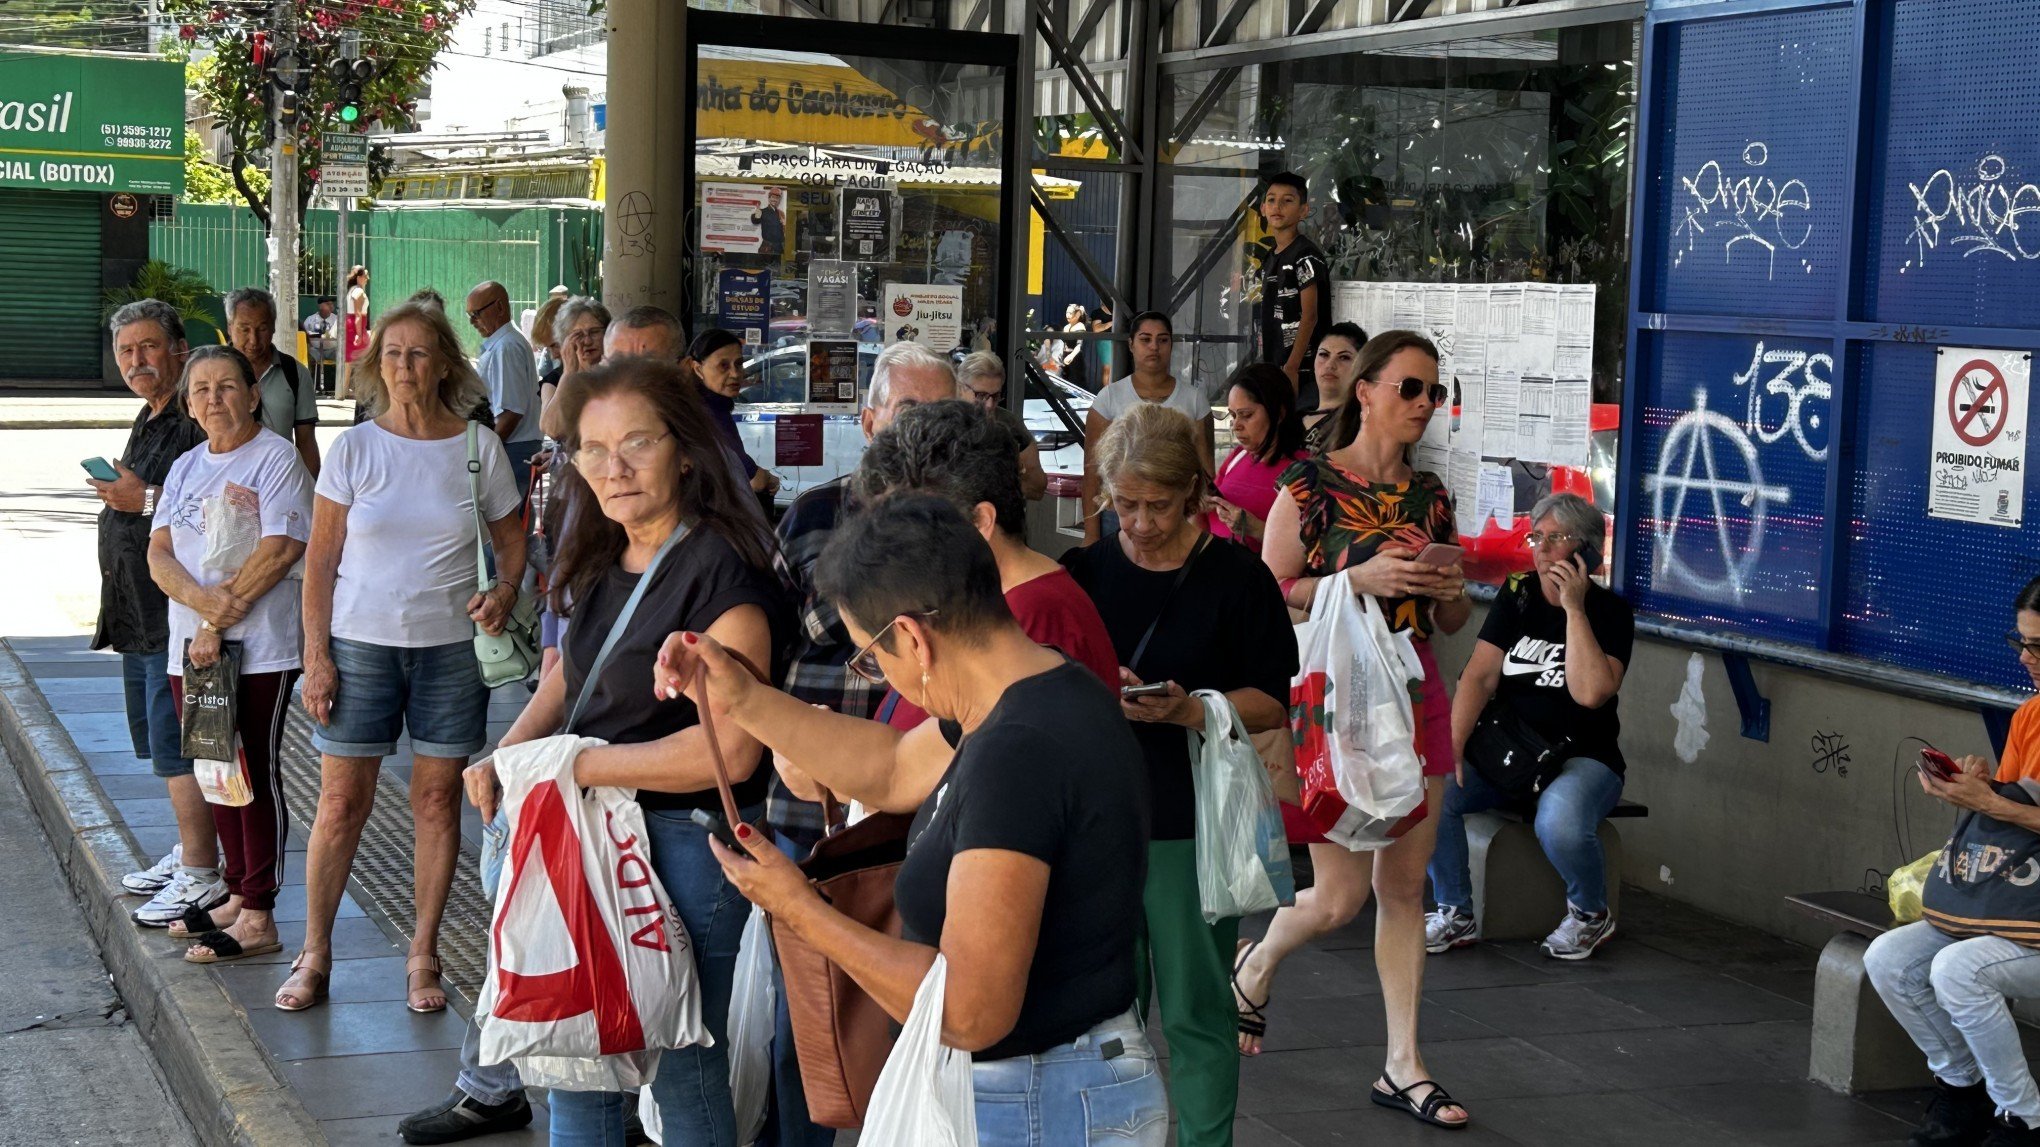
x=616, y=629
x=483, y=583
x=1182, y=575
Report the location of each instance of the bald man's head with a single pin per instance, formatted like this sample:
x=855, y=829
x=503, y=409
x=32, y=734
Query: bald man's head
x=488, y=307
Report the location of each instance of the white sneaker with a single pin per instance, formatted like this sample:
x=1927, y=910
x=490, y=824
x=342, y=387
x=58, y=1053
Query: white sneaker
x=184, y=892
x=1579, y=934
x=1448, y=928
x=150, y=881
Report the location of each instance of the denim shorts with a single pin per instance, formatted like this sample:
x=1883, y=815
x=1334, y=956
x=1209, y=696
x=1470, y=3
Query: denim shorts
x=436, y=693
x=1102, y=1088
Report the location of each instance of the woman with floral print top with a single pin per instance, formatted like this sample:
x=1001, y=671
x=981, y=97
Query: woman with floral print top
x=1360, y=515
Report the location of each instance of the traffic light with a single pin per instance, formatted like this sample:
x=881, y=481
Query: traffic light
x=287, y=109
x=350, y=76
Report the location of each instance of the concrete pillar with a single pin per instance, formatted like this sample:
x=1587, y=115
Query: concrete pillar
x=1857, y=1045
x=646, y=202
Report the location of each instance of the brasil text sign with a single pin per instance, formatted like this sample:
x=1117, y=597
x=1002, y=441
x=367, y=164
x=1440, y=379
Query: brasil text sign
x=91, y=123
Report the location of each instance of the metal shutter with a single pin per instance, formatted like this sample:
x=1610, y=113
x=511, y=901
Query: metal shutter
x=49, y=259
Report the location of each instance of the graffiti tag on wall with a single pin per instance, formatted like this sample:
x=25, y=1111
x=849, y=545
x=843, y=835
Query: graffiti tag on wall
x=1747, y=208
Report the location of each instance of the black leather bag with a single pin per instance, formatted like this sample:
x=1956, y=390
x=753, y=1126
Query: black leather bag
x=1511, y=756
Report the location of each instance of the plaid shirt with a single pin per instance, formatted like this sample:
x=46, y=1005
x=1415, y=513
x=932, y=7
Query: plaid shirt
x=820, y=670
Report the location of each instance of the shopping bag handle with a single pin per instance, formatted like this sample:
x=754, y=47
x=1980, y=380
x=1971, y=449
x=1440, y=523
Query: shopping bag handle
x=715, y=753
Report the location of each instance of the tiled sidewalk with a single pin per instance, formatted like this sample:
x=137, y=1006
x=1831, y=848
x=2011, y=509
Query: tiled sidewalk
x=1684, y=1031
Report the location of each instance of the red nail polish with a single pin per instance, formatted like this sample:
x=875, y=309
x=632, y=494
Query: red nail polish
x=743, y=832
x=689, y=638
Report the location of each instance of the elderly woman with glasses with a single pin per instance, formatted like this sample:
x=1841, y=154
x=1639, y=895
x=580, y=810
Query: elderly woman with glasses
x=981, y=378
x=1550, y=658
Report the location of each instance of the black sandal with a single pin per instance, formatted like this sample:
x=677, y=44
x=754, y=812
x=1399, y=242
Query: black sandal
x=196, y=922
x=1253, y=1019
x=1399, y=1099
x=221, y=946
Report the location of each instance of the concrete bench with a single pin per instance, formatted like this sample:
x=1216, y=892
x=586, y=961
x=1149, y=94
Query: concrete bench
x=1517, y=895
x=1857, y=1046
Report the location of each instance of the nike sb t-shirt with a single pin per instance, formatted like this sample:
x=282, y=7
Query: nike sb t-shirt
x=1530, y=632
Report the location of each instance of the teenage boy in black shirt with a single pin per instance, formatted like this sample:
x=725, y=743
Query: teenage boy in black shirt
x=1296, y=288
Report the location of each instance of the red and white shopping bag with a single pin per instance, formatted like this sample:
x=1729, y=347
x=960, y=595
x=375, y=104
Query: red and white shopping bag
x=590, y=971
x=1354, y=714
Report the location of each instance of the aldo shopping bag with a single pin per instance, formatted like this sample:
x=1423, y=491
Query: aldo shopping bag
x=1987, y=881
x=1354, y=712
x=590, y=972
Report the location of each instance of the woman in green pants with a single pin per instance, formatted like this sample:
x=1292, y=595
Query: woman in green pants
x=1186, y=612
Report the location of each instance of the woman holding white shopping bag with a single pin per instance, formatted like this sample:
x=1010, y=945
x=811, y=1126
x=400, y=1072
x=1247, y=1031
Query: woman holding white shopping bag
x=1025, y=859
x=1356, y=520
x=674, y=541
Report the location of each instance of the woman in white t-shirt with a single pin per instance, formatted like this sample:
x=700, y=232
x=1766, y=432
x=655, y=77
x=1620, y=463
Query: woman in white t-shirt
x=390, y=616
x=1153, y=342
x=230, y=526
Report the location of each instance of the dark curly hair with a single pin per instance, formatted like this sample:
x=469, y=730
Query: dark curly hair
x=952, y=448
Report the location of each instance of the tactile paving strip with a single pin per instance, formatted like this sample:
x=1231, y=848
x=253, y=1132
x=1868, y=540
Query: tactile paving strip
x=381, y=879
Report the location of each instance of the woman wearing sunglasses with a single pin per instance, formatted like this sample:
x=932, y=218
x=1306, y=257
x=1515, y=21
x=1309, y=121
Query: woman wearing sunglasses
x=1025, y=859
x=1359, y=517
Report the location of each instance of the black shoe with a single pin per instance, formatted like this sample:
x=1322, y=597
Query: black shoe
x=633, y=1129
x=2011, y=1131
x=462, y=1117
x=1956, y=1117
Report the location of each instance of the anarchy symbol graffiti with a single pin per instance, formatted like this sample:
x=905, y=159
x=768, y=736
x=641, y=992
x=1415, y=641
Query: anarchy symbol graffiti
x=1735, y=502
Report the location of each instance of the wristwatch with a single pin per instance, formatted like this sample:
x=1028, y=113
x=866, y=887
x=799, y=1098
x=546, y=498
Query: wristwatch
x=208, y=626
x=149, y=500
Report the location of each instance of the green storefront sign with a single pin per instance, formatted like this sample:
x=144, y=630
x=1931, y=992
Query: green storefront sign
x=91, y=123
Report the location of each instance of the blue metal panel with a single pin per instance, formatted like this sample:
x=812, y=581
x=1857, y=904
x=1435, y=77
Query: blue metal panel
x=1955, y=237
x=1749, y=177
x=1922, y=591
x=1730, y=481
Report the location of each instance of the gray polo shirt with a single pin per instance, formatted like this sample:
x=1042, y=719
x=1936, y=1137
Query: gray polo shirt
x=280, y=411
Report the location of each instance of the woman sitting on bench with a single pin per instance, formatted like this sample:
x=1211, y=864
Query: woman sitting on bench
x=1534, y=719
x=1952, y=995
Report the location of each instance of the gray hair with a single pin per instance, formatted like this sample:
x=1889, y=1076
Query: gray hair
x=149, y=310
x=892, y=358
x=242, y=296
x=574, y=309
x=647, y=317
x=979, y=364
x=1575, y=515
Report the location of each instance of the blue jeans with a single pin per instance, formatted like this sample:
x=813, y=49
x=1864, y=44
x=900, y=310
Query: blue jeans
x=786, y=1117
x=692, y=1087
x=494, y=1083
x=152, y=715
x=1569, y=815
x=1075, y=1094
x=1951, y=996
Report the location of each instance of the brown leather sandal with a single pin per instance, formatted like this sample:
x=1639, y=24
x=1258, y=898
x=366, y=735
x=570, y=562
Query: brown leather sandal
x=427, y=965
x=311, y=983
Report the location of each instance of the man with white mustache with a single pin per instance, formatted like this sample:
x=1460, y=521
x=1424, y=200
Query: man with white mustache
x=134, y=616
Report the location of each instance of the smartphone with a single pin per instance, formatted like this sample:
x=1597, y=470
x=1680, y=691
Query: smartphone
x=1937, y=764
x=717, y=827
x=1158, y=689
x=101, y=469
x=1441, y=555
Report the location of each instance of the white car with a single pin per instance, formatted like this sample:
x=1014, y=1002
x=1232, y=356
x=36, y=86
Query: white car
x=775, y=384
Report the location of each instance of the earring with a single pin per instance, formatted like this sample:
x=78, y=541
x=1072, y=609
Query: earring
x=924, y=684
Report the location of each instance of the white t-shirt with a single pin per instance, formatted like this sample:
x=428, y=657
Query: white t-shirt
x=408, y=567
x=1119, y=397
x=272, y=635
x=510, y=370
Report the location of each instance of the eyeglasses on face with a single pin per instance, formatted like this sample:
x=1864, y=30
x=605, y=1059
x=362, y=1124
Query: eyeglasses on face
x=2022, y=643
x=864, y=662
x=1410, y=388
x=1537, y=539
x=636, y=452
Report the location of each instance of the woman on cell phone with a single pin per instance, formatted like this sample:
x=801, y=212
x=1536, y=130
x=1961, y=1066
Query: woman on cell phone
x=1268, y=439
x=1360, y=518
x=1550, y=658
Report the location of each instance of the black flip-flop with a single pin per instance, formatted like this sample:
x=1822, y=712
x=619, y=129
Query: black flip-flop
x=224, y=947
x=1399, y=1099
x=1253, y=1018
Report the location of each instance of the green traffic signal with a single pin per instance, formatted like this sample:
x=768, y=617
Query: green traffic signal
x=349, y=114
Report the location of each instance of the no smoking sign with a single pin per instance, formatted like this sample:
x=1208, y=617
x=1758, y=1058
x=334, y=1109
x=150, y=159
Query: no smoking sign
x=1977, y=468
x=1978, y=402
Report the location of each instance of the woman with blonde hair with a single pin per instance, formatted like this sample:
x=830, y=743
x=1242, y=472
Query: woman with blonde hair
x=390, y=611
x=1185, y=614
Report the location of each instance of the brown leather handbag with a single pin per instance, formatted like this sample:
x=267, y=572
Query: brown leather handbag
x=840, y=1034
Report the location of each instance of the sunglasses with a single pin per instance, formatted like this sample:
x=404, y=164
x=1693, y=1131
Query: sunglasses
x=1410, y=388
x=864, y=662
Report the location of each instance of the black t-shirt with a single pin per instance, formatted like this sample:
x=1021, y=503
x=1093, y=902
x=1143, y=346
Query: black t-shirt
x=1530, y=632
x=134, y=616
x=1284, y=275
x=1225, y=629
x=1053, y=774
x=700, y=580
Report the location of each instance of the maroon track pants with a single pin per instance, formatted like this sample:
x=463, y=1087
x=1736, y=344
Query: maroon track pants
x=252, y=837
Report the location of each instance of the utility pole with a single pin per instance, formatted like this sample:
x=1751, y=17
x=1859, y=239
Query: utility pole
x=343, y=386
x=283, y=186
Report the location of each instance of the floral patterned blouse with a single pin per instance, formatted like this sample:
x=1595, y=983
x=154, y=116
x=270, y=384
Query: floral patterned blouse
x=1346, y=518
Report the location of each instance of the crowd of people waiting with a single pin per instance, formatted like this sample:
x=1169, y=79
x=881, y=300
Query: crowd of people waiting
x=893, y=642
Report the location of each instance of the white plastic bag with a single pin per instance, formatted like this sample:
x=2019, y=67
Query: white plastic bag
x=1242, y=854
x=752, y=1003
x=232, y=521
x=590, y=972
x=1363, y=742
x=924, y=1096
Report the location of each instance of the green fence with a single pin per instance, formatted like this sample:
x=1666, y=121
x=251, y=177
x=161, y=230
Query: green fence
x=527, y=249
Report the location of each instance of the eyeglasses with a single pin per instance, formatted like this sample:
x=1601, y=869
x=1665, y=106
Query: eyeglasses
x=864, y=662
x=1410, y=388
x=478, y=312
x=636, y=451
x=984, y=398
x=2019, y=641
x=1537, y=540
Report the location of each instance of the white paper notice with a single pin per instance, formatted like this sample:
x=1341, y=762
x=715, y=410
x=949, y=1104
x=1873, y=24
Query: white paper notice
x=1498, y=411
x=1440, y=300
x=1539, y=340
x=1574, y=357
x=1496, y=499
x=1977, y=472
x=1349, y=303
x=1571, y=421
x=1408, y=312
x=1463, y=479
x=1534, y=400
x=1472, y=382
x=1469, y=312
x=1505, y=312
